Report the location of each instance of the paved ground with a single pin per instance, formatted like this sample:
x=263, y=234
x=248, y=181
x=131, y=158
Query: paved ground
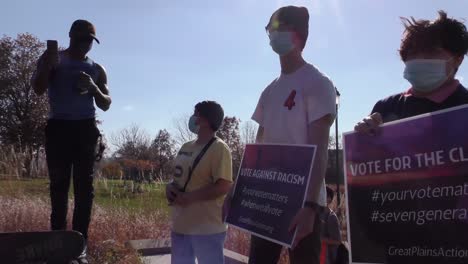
x=231, y=258
x=163, y=259
x=158, y=252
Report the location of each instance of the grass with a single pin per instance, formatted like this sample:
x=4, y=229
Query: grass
x=108, y=193
x=119, y=215
x=15, y=188
x=108, y=232
x=118, y=194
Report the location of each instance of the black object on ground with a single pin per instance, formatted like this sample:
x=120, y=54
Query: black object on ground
x=54, y=247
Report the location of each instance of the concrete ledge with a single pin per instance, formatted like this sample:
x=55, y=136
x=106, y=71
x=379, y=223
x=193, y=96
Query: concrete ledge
x=161, y=249
x=151, y=247
x=231, y=257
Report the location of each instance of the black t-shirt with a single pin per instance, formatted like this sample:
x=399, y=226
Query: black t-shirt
x=401, y=106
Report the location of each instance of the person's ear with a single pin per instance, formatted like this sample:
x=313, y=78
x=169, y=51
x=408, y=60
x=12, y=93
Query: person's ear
x=297, y=40
x=201, y=122
x=457, y=61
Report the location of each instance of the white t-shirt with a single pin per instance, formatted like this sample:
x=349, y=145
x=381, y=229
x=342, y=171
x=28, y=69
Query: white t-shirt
x=290, y=103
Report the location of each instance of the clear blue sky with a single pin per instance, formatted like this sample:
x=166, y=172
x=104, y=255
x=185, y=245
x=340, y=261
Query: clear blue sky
x=162, y=57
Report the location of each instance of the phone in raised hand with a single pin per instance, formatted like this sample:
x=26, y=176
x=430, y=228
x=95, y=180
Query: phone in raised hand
x=52, y=52
x=52, y=45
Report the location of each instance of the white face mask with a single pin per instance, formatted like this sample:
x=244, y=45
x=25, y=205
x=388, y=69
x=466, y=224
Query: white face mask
x=426, y=75
x=281, y=42
x=194, y=128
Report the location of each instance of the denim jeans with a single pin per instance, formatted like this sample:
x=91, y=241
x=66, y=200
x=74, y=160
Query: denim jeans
x=207, y=249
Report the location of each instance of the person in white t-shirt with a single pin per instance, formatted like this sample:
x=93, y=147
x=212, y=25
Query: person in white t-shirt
x=296, y=108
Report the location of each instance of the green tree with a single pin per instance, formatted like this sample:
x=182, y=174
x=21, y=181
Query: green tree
x=162, y=152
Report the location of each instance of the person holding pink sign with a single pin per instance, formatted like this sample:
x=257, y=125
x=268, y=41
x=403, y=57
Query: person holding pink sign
x=432, y=52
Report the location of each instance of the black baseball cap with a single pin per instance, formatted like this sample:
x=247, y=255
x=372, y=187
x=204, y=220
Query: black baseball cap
x=83, y=28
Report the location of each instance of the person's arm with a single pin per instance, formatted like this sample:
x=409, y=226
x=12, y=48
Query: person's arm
x=99, y=90
x=221, y=172
x=101, y=95
x=41, y=77
x=334, y=233
x=210, y=192
x=260, y=131
x=258, y=116
x=320, y=106
x=318, y=135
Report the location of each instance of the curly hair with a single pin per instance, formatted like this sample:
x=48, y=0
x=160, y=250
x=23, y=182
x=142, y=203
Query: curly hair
x=425, y=35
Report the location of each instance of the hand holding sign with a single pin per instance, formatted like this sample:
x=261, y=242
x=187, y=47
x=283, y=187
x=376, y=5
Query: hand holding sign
x=270, y=192
x=303, y=223
x=407, y=190
x=369, y=125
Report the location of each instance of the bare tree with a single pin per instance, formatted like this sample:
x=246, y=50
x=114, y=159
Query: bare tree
x=182, y=132
x=248, y=132
x=133, y=153
x=230, y=134
x=132, y=143
x=332, y=142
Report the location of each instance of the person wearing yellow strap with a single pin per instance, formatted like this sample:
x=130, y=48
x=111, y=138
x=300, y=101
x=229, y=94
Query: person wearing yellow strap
x=202, y=178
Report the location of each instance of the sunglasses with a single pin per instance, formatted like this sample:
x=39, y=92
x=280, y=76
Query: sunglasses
x=277, y=26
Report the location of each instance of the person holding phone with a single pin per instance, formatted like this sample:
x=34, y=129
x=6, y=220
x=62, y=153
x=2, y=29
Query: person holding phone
x=202, y=178
x=74, y=83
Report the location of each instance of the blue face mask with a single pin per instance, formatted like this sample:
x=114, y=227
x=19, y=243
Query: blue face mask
x=281, y=42
x=426, y=75
x=194, y=128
